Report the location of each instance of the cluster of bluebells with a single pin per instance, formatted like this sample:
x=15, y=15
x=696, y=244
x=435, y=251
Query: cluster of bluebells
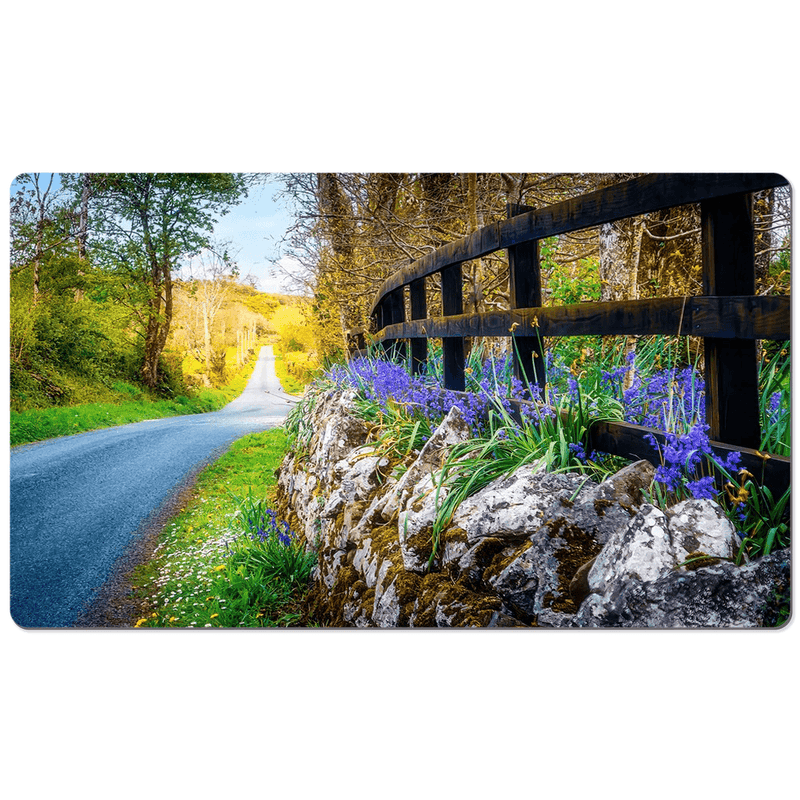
x=660, y=400
x=682, y=455
x=269, y=527
x=666, y=400
x=381, y=381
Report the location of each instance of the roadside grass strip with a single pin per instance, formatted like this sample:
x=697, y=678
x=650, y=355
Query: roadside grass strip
x=289, y=383
x=226, y=561
x=38, y=424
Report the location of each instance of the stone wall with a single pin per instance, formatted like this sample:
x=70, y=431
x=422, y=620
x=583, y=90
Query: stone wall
x=530, y=549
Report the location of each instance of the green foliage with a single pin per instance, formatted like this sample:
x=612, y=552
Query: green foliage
x=290, y=383
x=577, y=282
x=402, y=432
x=776, y=401
x=754, y=510
x=569, y=283
x=36, y=425
x=124, y=402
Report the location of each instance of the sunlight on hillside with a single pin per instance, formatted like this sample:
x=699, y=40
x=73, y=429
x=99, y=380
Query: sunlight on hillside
x=296, y=342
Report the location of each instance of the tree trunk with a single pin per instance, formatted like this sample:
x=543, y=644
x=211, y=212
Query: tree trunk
x=206, y=338
x=620, y=250
x=37, y=260
x=620, y=246
x=158, y=322
x=83, y=225
x=84, y=216
x=41, y=200
x=475, y=273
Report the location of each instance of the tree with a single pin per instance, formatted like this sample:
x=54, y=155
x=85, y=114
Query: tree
x=40, y=226
x=143, y=225
x=199, y=295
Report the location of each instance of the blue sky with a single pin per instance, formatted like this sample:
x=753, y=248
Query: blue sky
x=255, y=227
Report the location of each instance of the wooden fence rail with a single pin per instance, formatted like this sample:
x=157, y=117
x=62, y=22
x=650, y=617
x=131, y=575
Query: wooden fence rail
x=729, y=316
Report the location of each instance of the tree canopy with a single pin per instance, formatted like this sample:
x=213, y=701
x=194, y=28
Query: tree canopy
x=142, y=225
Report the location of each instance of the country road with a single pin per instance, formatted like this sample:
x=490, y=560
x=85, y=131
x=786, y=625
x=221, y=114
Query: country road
x=79, y=502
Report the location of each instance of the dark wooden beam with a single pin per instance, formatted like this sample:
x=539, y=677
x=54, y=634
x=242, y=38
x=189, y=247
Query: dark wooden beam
x=631, y=441
x=725, y=317
x=638, y=196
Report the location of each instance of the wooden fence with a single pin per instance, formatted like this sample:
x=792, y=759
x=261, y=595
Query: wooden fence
x=729, y=315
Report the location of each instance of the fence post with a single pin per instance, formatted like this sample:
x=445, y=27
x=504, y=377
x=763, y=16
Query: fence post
x=525, y=290
x=453, y=346
x=731, y=369
x=419, y=310
x=382, y=319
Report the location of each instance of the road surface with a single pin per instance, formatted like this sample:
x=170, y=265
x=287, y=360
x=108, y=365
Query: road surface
x=79, y=502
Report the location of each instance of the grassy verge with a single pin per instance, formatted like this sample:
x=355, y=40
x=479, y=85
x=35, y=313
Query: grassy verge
x=289, y=383
x=225, y=561
x=37, y=424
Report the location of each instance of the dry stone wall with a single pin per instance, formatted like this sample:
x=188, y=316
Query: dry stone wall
x=530, y=549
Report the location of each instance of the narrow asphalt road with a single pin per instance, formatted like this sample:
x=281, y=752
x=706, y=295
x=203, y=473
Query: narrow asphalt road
x=78, y=502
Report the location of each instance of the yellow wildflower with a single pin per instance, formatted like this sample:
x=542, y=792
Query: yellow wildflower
x=140, y=622
x=214, y=615
x=219, y=568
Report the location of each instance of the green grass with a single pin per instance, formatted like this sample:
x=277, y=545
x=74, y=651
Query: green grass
x=38, y=424
x=289, y=383
x=206, y=571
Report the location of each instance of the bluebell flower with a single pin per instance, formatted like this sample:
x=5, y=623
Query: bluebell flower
x=579, y=451
x=732, y=462
x=702, y=489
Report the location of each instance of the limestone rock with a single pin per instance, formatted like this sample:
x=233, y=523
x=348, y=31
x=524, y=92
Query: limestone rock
x=339, y=430
x=625, y=487
x=512, y=507
x=719, y=596
x=415, y=522
x=452, y=430
x=701, y=526
x=643, y=551
x=517, y=580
